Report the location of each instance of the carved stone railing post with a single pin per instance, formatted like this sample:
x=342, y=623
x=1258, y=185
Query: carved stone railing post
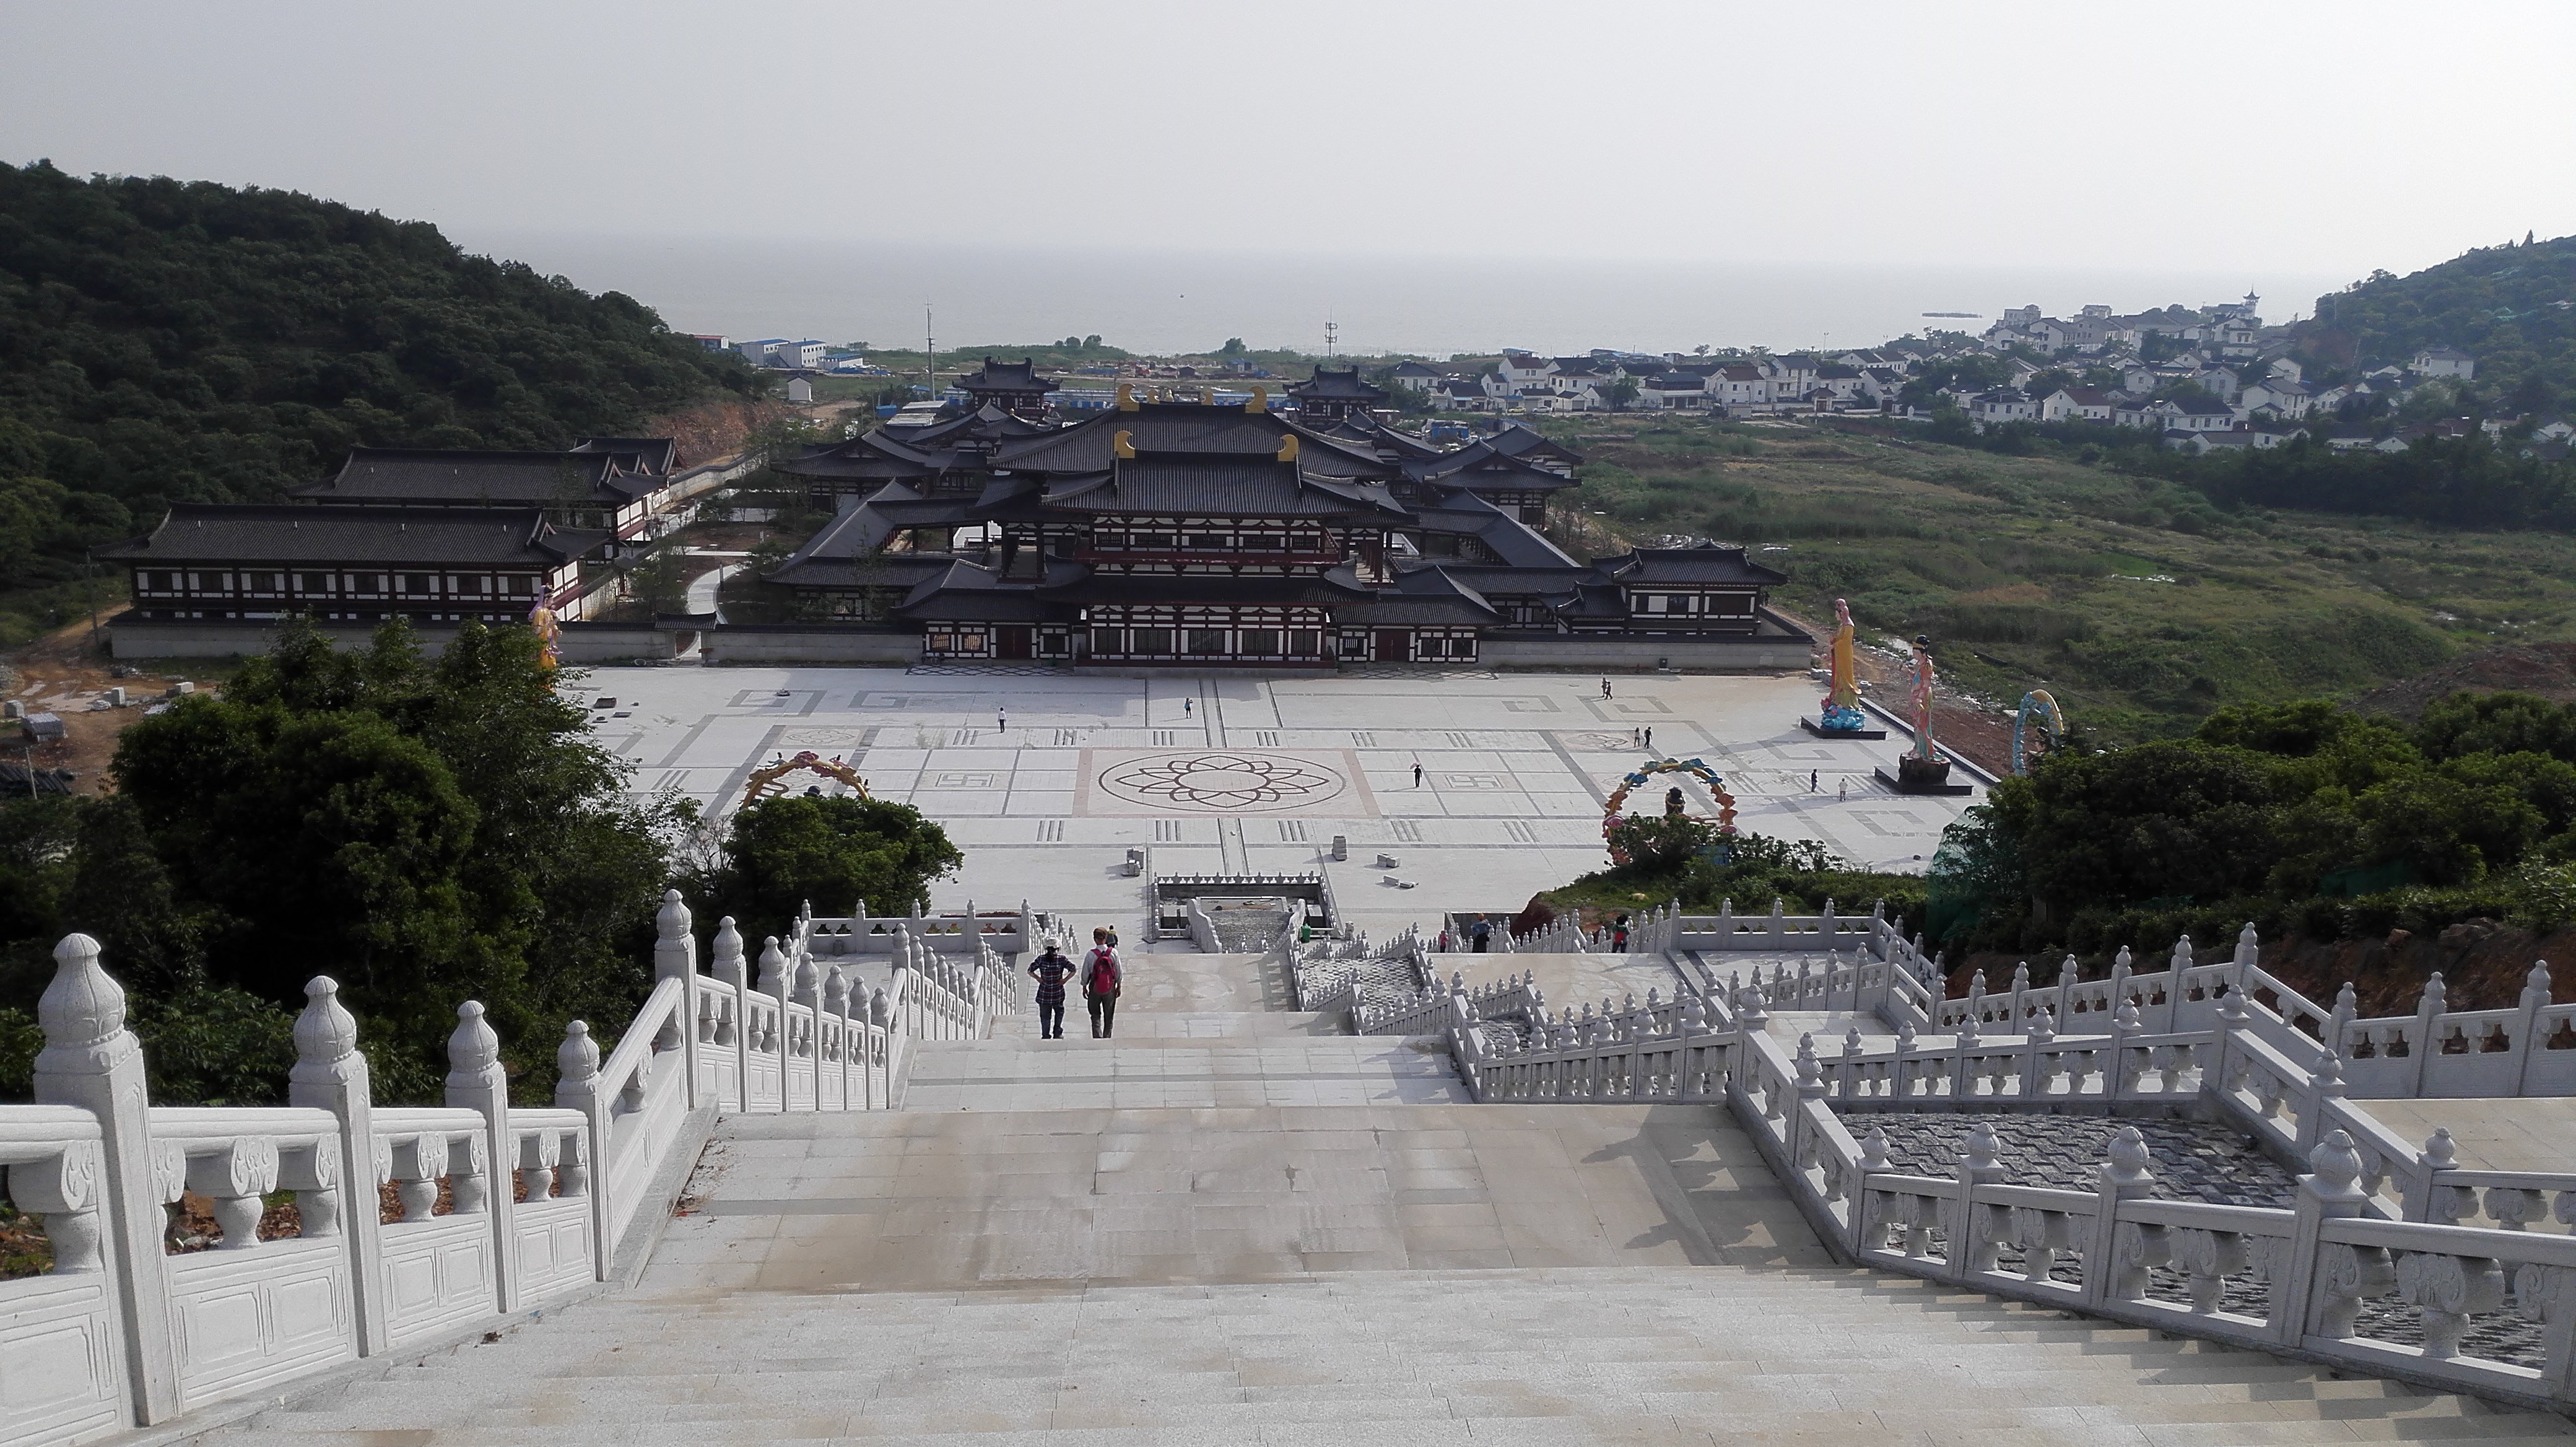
x=834, y=1023
x=2429, y=1008
x=577, y=1088
x=2114, y=1270
x=2324, y=1284
x=331, y=1074
x=2526, y=1035
x=476, y=1082
x=728, y=968
x=1970, y=1249
x=92, y=1061
x=776, y=983
x=675, y=957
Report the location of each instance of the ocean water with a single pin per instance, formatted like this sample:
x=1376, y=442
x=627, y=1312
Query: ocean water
x=843, y=291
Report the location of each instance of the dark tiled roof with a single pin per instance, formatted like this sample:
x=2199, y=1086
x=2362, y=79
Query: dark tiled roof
x=1422, y=596
x=405, y=475
x=964, y=592
x=1519, y=441
x=1005, y=377
x=1089, y=446
x=1216, y=484
x=650, y=454
x=1478, y=464
x=1333, y=384
x=1709, y=564
x=200, y=532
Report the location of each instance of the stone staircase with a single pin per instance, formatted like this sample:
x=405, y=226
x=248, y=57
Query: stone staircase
x=1232, y=1227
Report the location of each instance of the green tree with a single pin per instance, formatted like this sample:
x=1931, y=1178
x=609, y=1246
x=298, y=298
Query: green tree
x=2459, y=724
x=834, y=853
x=2174, y=819
x=435, y=831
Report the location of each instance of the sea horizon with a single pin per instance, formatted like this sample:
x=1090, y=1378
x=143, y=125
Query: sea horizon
x=1163, y=302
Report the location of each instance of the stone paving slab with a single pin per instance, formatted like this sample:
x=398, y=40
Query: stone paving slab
x=915, y=1198
x=1532, y=1355
x=2536, y=1133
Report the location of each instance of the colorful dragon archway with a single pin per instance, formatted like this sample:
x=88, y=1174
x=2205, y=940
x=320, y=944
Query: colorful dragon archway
x=1610, y=809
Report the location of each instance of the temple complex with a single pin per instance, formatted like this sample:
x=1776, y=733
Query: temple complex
x=1212, y=534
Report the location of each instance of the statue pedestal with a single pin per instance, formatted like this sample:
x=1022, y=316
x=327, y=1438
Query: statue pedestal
x=1917, y=775
x=1822, y=732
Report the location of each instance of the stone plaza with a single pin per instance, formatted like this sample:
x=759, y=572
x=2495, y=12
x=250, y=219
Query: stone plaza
x=1045, y=779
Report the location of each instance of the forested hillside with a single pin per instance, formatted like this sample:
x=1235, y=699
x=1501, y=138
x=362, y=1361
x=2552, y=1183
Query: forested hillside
x=162, y=340
x=2512, y=307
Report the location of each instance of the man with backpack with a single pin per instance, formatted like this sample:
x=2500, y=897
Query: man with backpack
x=1051, y=969
x=1101, y=978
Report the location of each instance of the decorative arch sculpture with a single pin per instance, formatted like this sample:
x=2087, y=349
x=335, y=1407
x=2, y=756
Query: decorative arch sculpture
x=766, y=782
x=1610, y=815
x=2038, y=730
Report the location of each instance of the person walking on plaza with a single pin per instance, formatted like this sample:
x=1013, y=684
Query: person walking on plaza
x=1605, y=688
x=1842, y=789
x=1650, y=740
x=1001, y=718
x=1417, y=773
x=1051, y=969
x=1479, y=935
x=1811, y=781
x=1101, y=978
x=1188, y=705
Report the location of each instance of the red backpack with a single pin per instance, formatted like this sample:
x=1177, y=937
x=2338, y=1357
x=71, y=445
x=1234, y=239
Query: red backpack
x=1101, y=974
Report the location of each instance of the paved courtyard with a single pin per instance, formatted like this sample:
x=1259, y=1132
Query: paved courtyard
x=1046, y=780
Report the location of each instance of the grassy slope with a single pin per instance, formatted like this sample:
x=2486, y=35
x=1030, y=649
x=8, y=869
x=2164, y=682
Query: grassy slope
x=2016, y=564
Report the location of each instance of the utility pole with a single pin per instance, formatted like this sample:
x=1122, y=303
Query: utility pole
x=1331, y=330
x=929, y=363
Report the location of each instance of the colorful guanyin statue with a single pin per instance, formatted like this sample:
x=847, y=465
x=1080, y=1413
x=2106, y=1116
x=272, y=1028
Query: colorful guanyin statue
x=1842, y=700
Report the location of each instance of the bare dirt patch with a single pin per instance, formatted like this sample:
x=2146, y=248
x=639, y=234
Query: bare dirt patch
x=67, y=673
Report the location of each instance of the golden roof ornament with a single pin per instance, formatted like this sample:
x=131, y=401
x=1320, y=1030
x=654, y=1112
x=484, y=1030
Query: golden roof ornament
x=1122, y=445
x=1260, y=399
x=1288, y=447
x=1126, y=396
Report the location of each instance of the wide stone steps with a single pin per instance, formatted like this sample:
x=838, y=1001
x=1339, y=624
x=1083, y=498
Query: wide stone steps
x=1233, y=1226
x=1682, y=1355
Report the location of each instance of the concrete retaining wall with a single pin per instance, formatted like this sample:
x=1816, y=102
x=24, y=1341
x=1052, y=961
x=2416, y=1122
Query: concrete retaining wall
x=207, y=638
x=809, y=643
x=1593, y=650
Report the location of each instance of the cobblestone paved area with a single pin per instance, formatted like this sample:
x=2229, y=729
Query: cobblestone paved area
x=2194, y=1160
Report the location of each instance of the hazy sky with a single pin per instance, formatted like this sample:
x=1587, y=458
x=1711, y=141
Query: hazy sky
x=2219, y=138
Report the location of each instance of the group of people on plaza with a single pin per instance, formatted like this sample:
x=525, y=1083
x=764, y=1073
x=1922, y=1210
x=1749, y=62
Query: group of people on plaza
x=1102, y=976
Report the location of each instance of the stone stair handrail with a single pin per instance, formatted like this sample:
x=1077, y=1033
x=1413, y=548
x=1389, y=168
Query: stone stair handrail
x=499, y=1209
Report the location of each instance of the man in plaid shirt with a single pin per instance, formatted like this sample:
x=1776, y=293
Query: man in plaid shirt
x=1051, y=969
